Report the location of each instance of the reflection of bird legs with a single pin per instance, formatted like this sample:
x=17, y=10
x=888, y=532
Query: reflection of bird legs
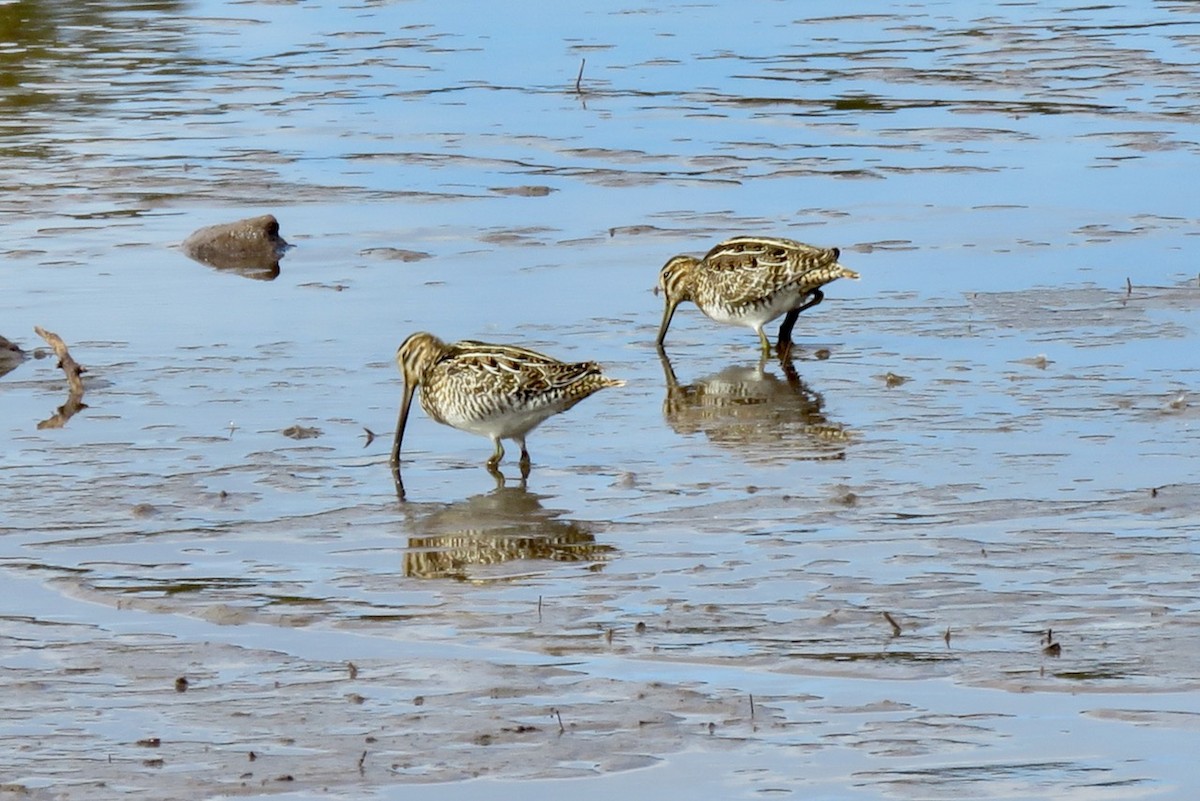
x=493, y=464
x=501, y=481
x=789, y=371
x=784, y=345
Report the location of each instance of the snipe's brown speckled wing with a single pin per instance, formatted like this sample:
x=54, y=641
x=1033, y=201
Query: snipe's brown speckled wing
x=749, y=268
x=507, y=370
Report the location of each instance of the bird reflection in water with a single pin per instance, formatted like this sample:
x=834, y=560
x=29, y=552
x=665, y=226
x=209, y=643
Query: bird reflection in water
x=763, y=416
x=462, y=539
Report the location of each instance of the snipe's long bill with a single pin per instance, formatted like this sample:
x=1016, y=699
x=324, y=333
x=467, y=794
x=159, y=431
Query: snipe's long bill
x=750, y=281
x=497, y=391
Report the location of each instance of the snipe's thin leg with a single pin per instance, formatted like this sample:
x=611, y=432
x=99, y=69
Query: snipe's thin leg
x=524, y=462
x=789, y=321
x=497, y=455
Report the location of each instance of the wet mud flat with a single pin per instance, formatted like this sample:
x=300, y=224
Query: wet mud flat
x=948, y=549
x=249, y=614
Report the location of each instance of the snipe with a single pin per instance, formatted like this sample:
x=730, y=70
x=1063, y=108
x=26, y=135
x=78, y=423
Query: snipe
x=497, y=391
x=750, y=281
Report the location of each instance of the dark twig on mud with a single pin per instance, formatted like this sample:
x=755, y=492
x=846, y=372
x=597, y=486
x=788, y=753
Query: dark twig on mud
x=561, y=727
x=68, y=364
x=579, y=77
x=73, y=370
x=752, y=706
x=896, y=630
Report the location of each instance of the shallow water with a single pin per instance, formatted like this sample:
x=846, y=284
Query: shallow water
x=990, y=437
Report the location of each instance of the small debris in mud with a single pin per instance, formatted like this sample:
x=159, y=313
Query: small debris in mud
x=287, y=777
x=482, y=739
x=1040, y=361
x=156, y=762
x=181, y=684
x=353, y=668
x=1053, y=649
x=822, y=354
x=896, y=630
x=625, y=480
x=252, y=756
x=946, y=637
x=891, y=379
x=846, y=498
x=639, y=230
x=150, y=742
x=640, y=628
x=523, y=191
x=608, y=636
x=396, y=254
x=419, y=700
x=355, y=698
x=144, y=510
x=301, y=432
x=370, y=437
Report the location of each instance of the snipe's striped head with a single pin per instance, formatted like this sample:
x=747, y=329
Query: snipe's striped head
x=677, y=282
x=414, y=356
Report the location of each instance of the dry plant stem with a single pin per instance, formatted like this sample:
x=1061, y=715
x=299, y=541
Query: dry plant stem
x=65, y=361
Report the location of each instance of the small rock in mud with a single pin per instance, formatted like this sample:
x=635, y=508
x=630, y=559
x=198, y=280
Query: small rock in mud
x=301, y=432
x=181, y=684
x=251, y=247
x=891, y=379
x=10, y=355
